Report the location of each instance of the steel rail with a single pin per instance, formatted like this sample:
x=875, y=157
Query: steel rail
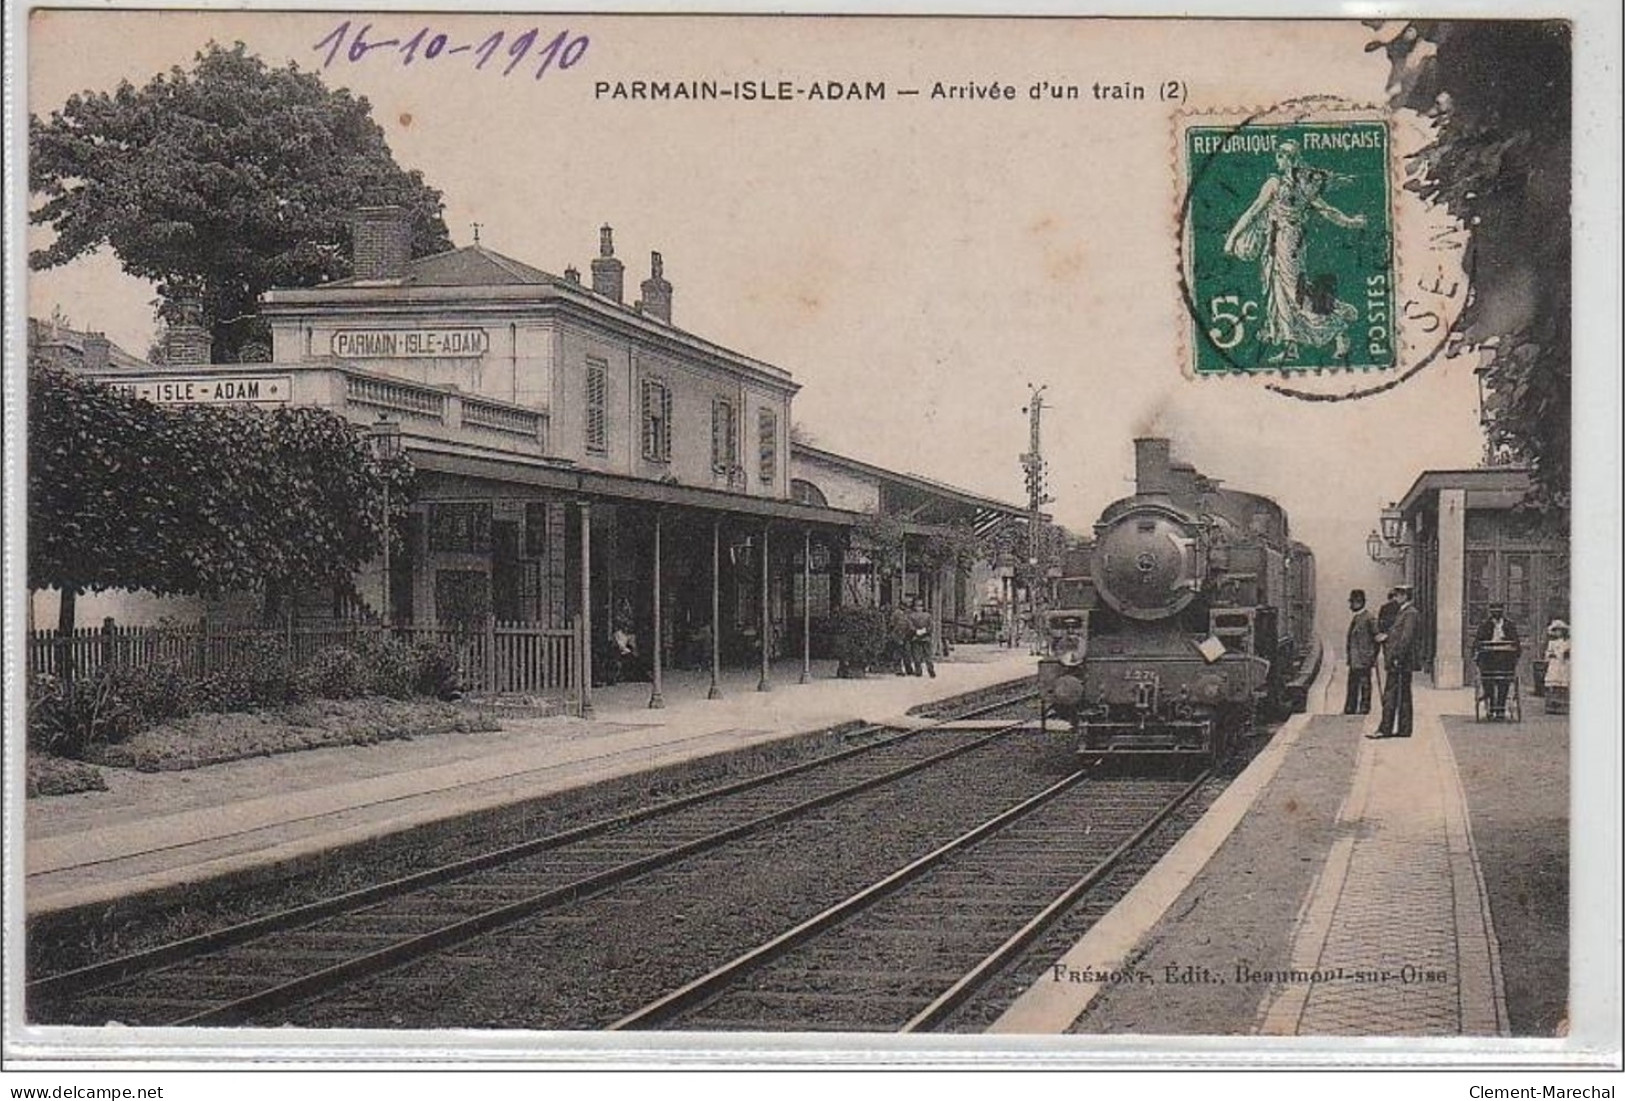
x=994, y=961
x=693, y=993
x=133, y=965
x=458, y=932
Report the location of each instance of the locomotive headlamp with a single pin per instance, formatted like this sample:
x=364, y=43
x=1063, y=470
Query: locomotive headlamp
x=1068, y=649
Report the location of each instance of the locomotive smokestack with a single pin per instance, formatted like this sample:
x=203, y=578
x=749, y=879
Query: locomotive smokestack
x=1151, y=465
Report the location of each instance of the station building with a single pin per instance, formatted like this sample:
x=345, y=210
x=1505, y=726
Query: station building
x=1469, y=545
x=585, y=467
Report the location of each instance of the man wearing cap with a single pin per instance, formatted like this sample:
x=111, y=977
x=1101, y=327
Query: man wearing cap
x=1496, y=648
x=1399, y=658
x=1361, y=654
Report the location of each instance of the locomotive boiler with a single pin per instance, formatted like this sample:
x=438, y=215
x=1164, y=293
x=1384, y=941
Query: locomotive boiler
x=1191, y=611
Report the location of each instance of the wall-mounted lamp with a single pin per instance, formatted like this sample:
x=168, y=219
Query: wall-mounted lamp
x=1392, y=545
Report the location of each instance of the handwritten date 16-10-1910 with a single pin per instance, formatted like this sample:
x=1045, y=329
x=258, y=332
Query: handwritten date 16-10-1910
x=563, y=49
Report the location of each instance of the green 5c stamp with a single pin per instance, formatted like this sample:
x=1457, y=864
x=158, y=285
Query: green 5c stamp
x=1288, y=246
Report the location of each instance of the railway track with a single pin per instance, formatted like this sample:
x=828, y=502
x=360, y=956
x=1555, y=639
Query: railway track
x=906, y=952
x=251, y=970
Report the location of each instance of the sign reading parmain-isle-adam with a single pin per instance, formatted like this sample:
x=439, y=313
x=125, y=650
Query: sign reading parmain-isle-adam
x=208, y=389
x=410, y=343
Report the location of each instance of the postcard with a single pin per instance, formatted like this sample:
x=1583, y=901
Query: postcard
x=922, y=538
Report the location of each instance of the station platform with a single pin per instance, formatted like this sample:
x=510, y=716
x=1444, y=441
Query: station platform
x=1346, y=886
x=151, y=831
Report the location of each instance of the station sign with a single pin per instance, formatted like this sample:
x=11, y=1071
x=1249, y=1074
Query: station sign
x=410, y=343
x=207, y=389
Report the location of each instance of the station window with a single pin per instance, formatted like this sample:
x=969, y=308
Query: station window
x=460, y=528
x=597, y=406
x=724, y=436
x=656, y=421
x=768, y=431
x=535, y=529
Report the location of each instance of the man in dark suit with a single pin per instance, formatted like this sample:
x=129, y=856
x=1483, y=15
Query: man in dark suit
x=1361, y=654
x=1385, y=623
x=1388, y=613
x=1496, y=648
x=1399, y=658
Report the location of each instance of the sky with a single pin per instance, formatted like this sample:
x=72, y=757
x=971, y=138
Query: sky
x=915, y=263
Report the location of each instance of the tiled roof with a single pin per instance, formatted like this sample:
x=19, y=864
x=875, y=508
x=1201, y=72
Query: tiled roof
x=469, y=266
x=47, y=334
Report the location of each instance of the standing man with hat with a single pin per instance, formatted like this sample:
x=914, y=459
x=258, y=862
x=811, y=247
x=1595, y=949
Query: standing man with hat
x=1496, y=648
x=1400, y=652
x=1385, y=623
x=1361, y=654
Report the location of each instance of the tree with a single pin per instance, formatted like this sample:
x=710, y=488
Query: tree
x=220, y=183
x=1499, y=94
x=195, y=499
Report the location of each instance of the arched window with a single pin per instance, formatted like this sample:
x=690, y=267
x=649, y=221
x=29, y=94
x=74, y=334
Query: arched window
x=804, y=492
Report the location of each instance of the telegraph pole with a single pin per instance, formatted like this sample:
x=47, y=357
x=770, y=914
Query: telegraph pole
x=1033, y=463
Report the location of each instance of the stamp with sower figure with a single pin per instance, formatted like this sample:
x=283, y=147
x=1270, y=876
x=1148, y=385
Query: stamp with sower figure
x=1287, y=244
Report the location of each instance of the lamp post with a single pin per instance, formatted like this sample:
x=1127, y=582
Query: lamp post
x=385, y=436
x=1393, y=535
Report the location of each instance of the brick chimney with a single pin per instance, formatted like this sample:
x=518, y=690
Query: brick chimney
x=383, y=242
x=608, y=273
x=572, y=274
x=656, y=301
x=97, y=351
x=1151, y=465
x=186, y=342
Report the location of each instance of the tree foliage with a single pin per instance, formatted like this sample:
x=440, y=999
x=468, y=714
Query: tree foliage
x=1499, y=93
x=955, y=545
x=882, y=538
x=221, y=182
x=124, y=494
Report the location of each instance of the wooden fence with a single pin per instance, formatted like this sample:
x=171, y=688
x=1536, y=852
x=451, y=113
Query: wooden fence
x=502, y=658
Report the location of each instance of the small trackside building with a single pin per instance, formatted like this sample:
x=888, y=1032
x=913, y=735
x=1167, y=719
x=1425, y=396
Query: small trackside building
x=1470, y=546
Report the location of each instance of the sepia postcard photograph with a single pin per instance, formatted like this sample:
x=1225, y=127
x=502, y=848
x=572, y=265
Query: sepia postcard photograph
x=931, y=537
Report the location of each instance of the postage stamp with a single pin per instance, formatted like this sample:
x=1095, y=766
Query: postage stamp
x=1289, y=245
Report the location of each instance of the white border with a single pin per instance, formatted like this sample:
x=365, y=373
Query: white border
x=1595, y=865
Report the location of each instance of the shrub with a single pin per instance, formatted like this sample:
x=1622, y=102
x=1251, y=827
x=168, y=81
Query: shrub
x=377, y=665
x=860, y=639
x=263, y=675
x=437, y=671
x=55, y=722
x=338, y=673
x=59, y=776
x=155, y=692
x=390, y=666
x=104, y=707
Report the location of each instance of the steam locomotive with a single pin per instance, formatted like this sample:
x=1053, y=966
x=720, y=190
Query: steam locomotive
x=1190, y=613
